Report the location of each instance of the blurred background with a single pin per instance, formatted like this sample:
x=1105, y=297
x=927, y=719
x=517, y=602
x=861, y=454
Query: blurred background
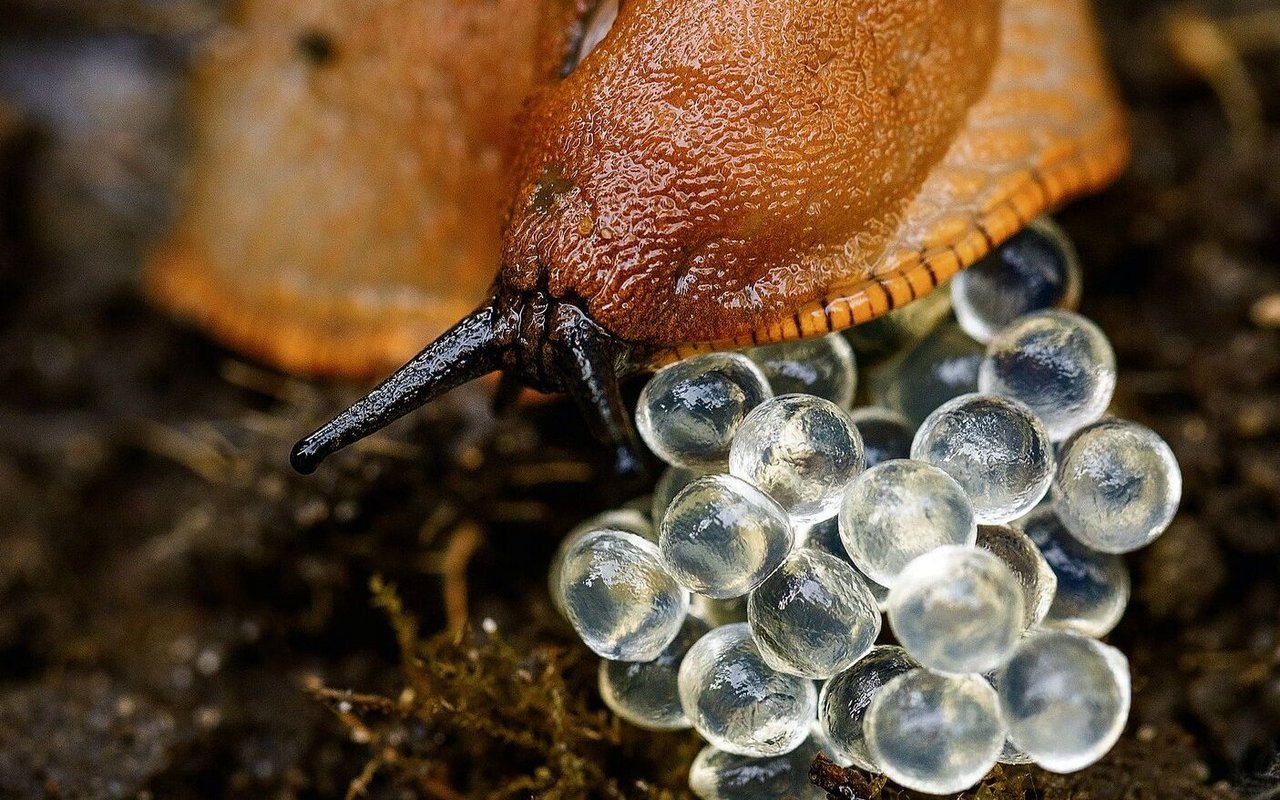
x=182, y=616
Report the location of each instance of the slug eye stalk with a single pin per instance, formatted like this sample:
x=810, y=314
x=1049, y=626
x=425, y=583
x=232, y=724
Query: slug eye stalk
x=543, y=343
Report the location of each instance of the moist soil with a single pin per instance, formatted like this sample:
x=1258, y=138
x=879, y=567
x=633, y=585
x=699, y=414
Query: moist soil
x=182, y=616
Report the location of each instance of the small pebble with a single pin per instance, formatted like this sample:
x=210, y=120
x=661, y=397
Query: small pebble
x=717, y=775
x=942, y=366
x=722, y=536
x=1093, y=588
x=1065, y=698
x=618, y=598
x=689, y=411
x=935, y=733
x=995, y=448
x=740, y=704
x=899, y=510
x=823, y=366
x=1117, y=486
x=844, y=700
x=886, y=434
x=957, y=610
x=1036, y=269
x=1028, y=565
x=645, y=693
x=800, y=450
x=813, y=616
x=1059, y=364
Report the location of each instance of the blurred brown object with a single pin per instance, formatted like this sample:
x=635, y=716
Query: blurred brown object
x=343, y=199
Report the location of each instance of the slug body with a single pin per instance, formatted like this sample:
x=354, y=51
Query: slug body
x=720, y=173
x=712, y=164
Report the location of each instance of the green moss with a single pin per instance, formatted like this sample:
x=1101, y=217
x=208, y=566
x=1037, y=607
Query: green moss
x=478, y=718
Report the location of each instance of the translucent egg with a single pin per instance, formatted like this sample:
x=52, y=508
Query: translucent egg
x=722, y=536
x=878, y=591
x=739, y=703
x=1093, y=588
x=813, y=616
x=957, y=610
x=717, y=775
x=1065, y=698
x=618, y=597
x=689, y=411
x=717, y=612
x=899, y=510
x=995, y=448
x=823, y=366
x=1011, y=753
x=825, y=537
x=942, y=366
x=645, y=693
x=935, y=733
x=843, y=703
x=642, y=503
x=886, y=434
x=1036, y=269
x=1059, y=364
x=1118, y=486
x=1028, y=565
x=672, y=480
x=627, y=520
x=802, y=451
x=824, y=745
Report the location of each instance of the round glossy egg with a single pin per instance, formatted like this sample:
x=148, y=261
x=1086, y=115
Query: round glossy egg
x=1065, y=698
x=721, y=536
x=1057, y=363
x=823, y=366
x=899, y=510
x=618, y=597
x=689, y=411
x=800, y=450
x=739, y=703
x=1117, y=487
x=957, y=610
x=814, y=616
x=995, y=448
x=935, y=733
x=843, y=703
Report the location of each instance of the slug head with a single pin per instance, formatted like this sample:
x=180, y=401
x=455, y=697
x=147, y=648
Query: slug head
x=546, y=344
x=712, y=165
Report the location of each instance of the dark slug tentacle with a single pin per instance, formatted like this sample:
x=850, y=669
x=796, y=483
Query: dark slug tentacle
x=472, y=348
x=546, y=344
x=595, y=360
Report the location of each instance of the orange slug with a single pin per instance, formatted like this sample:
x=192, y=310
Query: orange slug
x=690, y=175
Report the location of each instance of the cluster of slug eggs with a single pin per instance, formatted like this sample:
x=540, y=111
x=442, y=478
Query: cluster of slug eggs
x=982, y=506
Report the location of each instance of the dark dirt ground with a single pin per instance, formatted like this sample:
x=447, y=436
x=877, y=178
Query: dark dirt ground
x=174, y=601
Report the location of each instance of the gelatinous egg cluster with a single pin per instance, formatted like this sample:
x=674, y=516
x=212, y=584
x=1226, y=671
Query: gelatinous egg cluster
x=915, y=586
